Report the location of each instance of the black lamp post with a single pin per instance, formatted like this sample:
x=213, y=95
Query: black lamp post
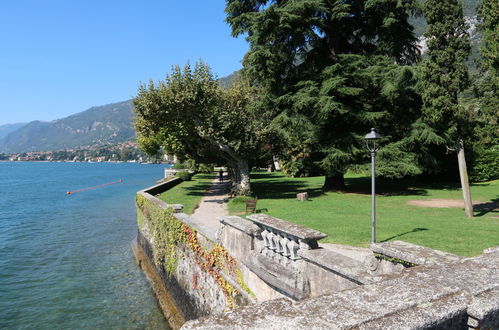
x=371, y=140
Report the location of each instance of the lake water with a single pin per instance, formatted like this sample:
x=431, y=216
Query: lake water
x=65, y=260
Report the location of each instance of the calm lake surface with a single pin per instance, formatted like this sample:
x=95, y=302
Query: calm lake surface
x=65, y=260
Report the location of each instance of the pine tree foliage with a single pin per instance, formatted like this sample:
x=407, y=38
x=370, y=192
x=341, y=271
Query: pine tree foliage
x=486, y=115
x=330, y=70
x=489, y=15
x=445, y=74
x=488, y=86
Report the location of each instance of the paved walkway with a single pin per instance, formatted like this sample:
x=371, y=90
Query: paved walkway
x=213, y=205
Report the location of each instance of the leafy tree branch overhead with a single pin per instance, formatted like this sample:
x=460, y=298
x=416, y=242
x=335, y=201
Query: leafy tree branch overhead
x=190, y=114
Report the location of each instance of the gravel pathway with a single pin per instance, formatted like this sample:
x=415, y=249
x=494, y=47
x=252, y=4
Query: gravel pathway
x=213, y=205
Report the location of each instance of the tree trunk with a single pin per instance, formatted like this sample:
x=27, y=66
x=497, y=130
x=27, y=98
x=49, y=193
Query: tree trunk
x=334, y=182
x=271, y=167
x=463, y=175
x=243, y=173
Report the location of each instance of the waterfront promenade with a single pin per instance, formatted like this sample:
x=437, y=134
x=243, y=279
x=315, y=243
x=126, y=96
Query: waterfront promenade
x=212, y=206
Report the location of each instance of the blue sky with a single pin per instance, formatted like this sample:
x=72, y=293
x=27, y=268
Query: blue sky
x=62, y=57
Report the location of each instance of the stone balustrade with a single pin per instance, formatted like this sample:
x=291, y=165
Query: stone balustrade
x=281, y=240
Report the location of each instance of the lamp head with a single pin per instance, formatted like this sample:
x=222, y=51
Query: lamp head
x=371, y=139
x=373, y=136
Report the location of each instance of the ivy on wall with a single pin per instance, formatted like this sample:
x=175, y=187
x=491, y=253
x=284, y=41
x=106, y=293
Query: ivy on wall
x=168, y=232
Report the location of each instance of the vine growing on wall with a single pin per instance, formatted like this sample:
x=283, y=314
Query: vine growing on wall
x=213, y=262
x=168, y=232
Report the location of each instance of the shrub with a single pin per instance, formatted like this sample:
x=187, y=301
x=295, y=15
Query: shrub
x=190, y=164
x=184, y=175
x=179, y=166
x=486, y=165
x=203, y=168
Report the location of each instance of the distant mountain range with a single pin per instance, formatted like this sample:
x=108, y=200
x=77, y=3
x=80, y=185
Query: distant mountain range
x=97, y=126
x=8, y=128
x=112, y=123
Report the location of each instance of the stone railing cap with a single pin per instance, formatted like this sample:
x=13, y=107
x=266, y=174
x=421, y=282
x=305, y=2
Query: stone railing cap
x=338, y=263
x=300, y=232
x=240, y=224
x=416, y=254
x=169, y=180
x=176, y=207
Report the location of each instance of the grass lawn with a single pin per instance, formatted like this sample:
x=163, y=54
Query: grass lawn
x=188, y=193
x=346, y=217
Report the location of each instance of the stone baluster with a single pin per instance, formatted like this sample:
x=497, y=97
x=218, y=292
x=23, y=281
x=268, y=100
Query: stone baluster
x=294, y=246
x=281, y=237
x=282, y=240
x=287, y=250
x=266, y=242
x=273, y=242
x=279, y=245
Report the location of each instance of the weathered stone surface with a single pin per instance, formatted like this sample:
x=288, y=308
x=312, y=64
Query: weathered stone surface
x=275, y=314
x=203, y=228
x=420, y=297
x=150, y=192
x=239, y=223
x=302, y=196
x=342, y=266
x=237, y=242
x=446, y=313
x=162, y=187
x=412, y=253
x=283, y=278
x=484, y=310
x=300, y=232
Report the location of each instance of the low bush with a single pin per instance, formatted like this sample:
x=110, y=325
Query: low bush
x=486, y=165
x=184, y=175
x=203, y=168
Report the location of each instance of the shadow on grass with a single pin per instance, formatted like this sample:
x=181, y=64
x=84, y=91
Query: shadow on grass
x=198, y=189
x=275, y=186
x=283, y=189
x=415, y=230
x=486, y=208
x=384, y=187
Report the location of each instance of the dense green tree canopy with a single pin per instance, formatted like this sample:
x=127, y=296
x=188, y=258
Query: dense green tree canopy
x=444, y=77
x=488, y=84
x=190, y=114
x=486, y=113
x=444, y=69
x=330, y=70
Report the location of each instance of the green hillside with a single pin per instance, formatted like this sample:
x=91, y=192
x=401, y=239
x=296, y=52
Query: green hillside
x=110, y=123
x=9, y=128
